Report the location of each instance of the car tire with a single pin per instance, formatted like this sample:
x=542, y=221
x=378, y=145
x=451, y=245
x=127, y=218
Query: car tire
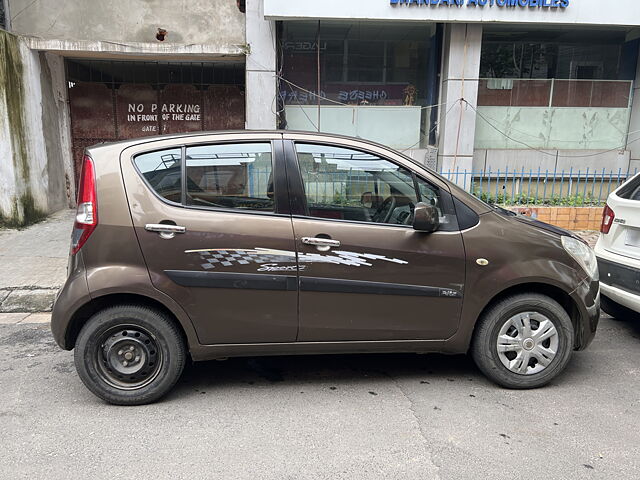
x=502, y=343
x=617, y=311
x=129, y=354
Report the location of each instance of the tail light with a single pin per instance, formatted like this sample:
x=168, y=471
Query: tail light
x=607, y=219
x=87, y=213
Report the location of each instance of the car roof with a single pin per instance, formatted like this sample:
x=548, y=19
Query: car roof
x=155, y=138
x=480, y=206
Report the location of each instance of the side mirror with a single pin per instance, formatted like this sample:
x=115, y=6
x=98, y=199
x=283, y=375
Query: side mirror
x=425, y=218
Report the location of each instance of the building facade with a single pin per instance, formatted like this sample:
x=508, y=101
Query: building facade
x=480, y=86
x=473, y=86
x=77, y=73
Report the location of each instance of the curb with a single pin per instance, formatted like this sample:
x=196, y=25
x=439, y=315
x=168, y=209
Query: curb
x=27, y=299
x=24, y=318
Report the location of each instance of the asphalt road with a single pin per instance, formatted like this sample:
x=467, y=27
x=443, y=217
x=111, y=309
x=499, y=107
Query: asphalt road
x=356, y=417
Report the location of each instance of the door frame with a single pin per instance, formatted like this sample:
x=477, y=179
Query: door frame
x=330, y=284
x=137, y=184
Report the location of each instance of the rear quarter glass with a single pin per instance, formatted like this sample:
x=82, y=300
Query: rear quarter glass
x=631, y=189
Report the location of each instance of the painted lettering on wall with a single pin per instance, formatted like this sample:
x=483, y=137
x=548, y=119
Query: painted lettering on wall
x=140, y=112
x=547, y=4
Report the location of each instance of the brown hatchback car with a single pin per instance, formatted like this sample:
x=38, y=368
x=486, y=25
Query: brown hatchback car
x=227, y=244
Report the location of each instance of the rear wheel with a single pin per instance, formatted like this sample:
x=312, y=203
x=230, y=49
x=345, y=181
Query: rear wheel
x=523, y=341
x=129, y=354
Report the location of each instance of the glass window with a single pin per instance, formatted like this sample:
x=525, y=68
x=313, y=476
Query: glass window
x=584, y=54
x=361, y=63
x=366, y=61
x=162, y=171
x=346, y=184
x=369, y=65
x=231, y=176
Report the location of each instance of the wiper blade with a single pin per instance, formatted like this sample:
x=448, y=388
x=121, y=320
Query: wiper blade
x=503, y=210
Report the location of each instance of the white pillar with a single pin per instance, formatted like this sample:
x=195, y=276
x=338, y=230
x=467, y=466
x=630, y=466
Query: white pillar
x=460, y=71
x=634, y=125
x=261, y=92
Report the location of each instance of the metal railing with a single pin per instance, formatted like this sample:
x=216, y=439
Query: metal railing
x=571, y=187
x=540, y=187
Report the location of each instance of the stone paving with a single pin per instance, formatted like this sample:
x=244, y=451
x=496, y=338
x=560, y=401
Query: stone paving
x=33, y=262
x=20, y=318
x=590, y=236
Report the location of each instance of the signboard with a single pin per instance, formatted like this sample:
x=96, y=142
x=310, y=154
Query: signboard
x=547, y=12
x=486, y=3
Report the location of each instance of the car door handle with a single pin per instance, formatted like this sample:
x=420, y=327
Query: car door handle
x=166, y=231
x=323, y=244
x=164, y=228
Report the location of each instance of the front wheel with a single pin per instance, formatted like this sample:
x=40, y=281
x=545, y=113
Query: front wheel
x=523, y=341
x=129, y=354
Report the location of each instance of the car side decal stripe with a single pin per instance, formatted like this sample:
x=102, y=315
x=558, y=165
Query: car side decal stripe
x=315, y=284
x=253, y=281
x=249, y=281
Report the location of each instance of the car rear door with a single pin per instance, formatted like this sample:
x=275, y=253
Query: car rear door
x=365, y=274
x=211, y=214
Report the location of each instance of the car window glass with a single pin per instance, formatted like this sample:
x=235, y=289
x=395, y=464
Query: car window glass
x=346, y=184
x=230, y=176
x=630, y=190
x=162, y=171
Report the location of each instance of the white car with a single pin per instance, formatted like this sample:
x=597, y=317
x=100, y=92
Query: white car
x=618, y=251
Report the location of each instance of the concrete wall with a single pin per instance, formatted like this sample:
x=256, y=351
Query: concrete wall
x=260, y=68
x=460, y=68
x=122, y=21
x=552, y=160
x=34, y=136
x=634, y=124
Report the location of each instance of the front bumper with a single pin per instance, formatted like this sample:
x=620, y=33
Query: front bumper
x=587, y=300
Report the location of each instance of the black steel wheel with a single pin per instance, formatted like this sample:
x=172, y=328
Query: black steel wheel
x=128, y=358
x=129, y=354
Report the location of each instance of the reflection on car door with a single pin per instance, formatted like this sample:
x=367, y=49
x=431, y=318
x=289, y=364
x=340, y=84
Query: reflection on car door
x=365, y=274
x=208, y=227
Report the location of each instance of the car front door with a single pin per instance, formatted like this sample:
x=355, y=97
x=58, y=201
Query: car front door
x=365, y=273
x=211, y=215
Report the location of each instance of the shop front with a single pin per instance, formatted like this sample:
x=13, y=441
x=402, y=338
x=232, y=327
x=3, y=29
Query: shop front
x=357, y=78
x=495, y=84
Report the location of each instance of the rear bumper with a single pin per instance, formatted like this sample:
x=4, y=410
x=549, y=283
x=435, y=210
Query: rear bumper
x=622, y=297
x=587, y=299
x=622, y=277
x=73, y=294
x=620, y=283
